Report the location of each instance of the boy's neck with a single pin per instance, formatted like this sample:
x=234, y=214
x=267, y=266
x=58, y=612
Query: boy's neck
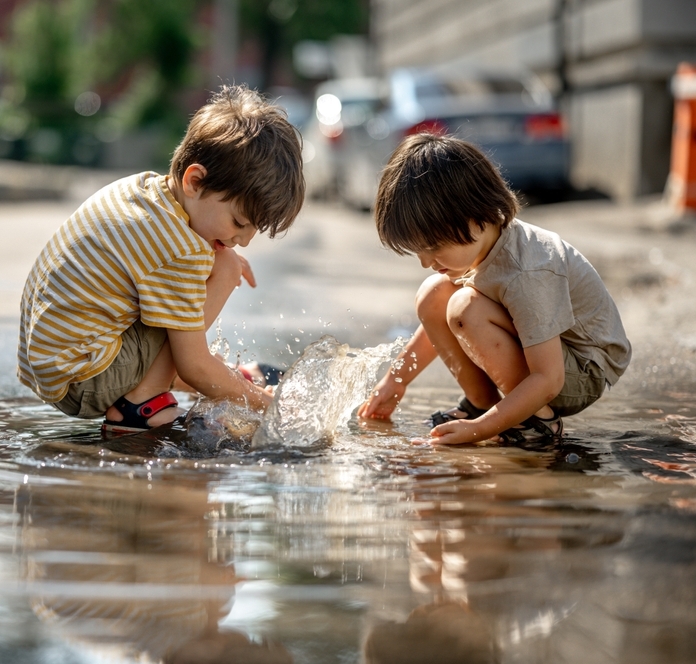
x=489, y=236
x=175, y=188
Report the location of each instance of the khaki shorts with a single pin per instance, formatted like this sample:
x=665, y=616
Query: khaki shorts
x=584, y=384
x=92, y=398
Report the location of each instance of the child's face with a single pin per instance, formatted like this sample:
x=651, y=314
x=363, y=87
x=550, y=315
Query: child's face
x=220, y=223
x=455, y=260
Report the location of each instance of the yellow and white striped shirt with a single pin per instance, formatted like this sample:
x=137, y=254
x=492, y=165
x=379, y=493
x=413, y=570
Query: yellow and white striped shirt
x=126, y=253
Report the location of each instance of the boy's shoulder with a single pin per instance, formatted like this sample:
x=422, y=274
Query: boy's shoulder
x=139, y=194
x=145, y=183
x=530, y=247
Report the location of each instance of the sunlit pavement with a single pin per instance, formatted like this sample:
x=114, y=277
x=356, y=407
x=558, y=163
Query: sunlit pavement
x=330, y=275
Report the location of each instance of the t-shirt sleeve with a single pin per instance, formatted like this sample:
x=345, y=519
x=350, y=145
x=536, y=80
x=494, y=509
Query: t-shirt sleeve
x=173, y=295
x=540, y=306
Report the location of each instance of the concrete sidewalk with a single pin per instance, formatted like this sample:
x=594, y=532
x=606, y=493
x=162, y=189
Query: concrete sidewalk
x=330, y=275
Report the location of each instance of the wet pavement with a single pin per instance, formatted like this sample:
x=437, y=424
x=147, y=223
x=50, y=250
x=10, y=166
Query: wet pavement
x=369, y=549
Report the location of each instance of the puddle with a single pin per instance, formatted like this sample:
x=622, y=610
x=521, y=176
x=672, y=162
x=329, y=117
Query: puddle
x=350, y=544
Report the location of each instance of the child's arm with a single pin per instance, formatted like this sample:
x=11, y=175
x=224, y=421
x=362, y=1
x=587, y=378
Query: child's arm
x=208, y=374
x=544, y=382
x=418, y=354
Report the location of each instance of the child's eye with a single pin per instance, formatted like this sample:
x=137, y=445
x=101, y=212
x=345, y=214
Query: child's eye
x=238, y=225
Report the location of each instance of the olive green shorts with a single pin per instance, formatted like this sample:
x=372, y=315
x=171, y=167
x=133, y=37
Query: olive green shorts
x=584, y=384
x=92, y=398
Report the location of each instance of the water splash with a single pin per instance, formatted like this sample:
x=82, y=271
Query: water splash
x=212, y=424
x=316, y=397
x=219, y=345
x=320, y=391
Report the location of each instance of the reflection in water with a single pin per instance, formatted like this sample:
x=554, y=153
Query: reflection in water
x=135, y=568
x=368, y=550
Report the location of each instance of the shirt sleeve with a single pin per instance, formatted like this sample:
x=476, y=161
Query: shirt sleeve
x=173, y=295
x=540, y=306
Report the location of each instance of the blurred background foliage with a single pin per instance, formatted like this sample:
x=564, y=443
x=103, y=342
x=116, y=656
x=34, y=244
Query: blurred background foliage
x=79, y=75
x=280, y=24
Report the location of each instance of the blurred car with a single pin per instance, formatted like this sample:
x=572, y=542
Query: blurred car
x=339, y=104
x=511, y=116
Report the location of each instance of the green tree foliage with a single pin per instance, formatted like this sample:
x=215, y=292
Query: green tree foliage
x=280, y=24
x=137, y=53
x=152, y=44
x=45, y=77
x=77, y=72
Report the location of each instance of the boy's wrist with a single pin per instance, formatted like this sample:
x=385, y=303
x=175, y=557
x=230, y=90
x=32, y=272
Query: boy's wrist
x=397, y=378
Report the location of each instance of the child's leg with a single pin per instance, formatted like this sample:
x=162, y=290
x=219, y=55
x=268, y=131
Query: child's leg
x=432, y=303
x=224, y=278
x=485, y=332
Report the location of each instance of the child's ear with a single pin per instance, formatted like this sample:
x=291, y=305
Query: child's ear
x=191, y=180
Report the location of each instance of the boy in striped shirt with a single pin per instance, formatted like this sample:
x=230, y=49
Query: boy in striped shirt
x=118, y=303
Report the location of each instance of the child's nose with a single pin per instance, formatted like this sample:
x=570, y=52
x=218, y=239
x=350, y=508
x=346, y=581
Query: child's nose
x=245, y=237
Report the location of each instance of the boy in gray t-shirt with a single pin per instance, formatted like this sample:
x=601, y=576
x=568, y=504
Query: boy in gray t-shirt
x=513, y=310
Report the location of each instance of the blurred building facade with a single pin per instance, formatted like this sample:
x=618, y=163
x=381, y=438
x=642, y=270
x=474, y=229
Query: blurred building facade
x=610, y=62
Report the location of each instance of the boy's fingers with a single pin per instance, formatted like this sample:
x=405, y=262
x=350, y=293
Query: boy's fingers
x=247, y=272
x=449, y=433
x=368, y=409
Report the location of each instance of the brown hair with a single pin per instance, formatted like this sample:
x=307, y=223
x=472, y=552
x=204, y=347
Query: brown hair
x=433, y=189
x=250, y=152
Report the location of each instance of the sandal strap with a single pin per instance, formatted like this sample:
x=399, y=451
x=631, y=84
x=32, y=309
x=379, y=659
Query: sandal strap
x=467, y=407
x=137, y=415
x=472, y=412
x=245, y=373
x=542, y=426
x=271, y=374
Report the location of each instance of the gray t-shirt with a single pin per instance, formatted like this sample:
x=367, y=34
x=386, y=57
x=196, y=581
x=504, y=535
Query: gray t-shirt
x=550, y=289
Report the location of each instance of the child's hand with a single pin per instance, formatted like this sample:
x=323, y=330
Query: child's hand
x=384, y=399
x=246, y=271
x=456, y=433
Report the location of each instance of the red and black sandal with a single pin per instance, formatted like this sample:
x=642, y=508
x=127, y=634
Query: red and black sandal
x=136, y=415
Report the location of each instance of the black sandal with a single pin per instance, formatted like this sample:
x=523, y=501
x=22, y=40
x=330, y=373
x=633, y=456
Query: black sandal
x=135, y=416
x=465, y=406
x=533, y=427
x=271, y=374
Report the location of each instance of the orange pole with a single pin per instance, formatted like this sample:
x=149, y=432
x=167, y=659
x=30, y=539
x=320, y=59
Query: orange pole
x=682, y=176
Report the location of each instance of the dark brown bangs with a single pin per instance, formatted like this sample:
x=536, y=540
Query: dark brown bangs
x=250, y=152
x=437, y=190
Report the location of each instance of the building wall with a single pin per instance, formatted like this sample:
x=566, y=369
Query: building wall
x=611, y=59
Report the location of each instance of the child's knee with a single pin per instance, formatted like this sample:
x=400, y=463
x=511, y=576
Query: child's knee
x=462, y=309
x=433, y=296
